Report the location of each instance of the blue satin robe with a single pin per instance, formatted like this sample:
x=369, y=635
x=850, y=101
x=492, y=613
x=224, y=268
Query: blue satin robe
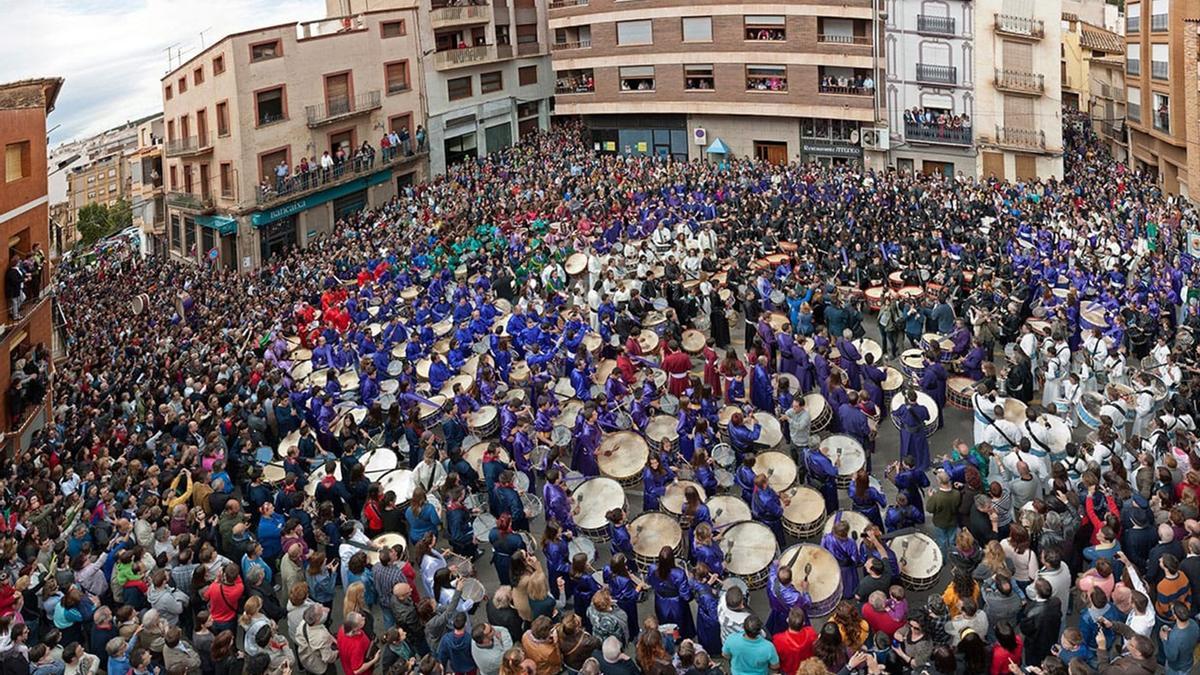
x=671, y=598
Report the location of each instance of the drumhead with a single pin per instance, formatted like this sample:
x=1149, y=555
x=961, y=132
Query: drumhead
x=894, y=379
x=661, y=428
x=473, y=590
x=807, y=506
x=853, y=457
x=723, y=455
x=672, y=499
x=567, y=414
x=779, y=469
x=595, y=498
x=727, y=509
x=816, y=565
x=1014, y=410
x=868, y=346
x=622, y=454
x=725, y=416
x=384, y=541
x=913, y=359
x=379, y=461
x=752, y=545
x=815, y=404
x=582, y=545
x=482, y=526
x=918, y=555
x=474, y=455
x=857, y=522
x=926, y=401
x=650, y=532
x=401, y=482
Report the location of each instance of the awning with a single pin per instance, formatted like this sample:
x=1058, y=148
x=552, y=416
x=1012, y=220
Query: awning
x=222, y=224
x=718, y=147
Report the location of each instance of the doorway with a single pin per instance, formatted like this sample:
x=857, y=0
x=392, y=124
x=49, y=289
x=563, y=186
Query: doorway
x=771, y=151
x=930, y=168
x=277, y=238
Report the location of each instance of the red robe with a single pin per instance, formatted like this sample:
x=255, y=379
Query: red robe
x=677, y=365
x=712, y=376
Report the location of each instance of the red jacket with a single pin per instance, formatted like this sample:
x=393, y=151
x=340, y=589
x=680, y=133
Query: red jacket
x=794, y=647
x=223, y=600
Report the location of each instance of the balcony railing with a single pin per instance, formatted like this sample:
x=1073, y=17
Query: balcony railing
x=1160, y=70
x=845, y=90
x=935, y=25
x=458, y=16
x=1159, y=22
x=458, y=58
x=923, y=133
x=1133, y=66
x=342, y=106
x=1162, y=121
x=937, y=74
x=189, y=200
x=1020, y=26
x=1021, y=137
x=577, y=44
x=192, y=145
x=294, y=186
x=1019, y=81
x=861, y=40
x=562, y=87
x=559, y=4
x=1133, y=24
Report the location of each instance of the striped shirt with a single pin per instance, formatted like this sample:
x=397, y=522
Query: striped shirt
x=1168, y=592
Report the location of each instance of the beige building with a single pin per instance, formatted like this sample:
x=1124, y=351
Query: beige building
x=1018, y=92
x=781, y=82
x=486, y=71
x=1160, y=77
x=244, y=116
x=146, y=193
x=104, y=180
x=1093, y=79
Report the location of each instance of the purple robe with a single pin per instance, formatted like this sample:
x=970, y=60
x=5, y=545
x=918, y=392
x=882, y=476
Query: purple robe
x=911, y=418
x=853, y=422
x=558, y=507
x=587, y=439
x=848, y=359
x=761, y=392
x=782, y=599
x=849, y=558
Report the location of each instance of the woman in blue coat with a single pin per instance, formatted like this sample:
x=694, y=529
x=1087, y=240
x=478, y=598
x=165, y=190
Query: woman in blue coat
x=706, y=551
x=504, y=543
x=558, y=556
x=422, y=517
x=618, y=534
x=672, y=593
x=625, y=591
x=655, y=478
x=581, y=586
x=866, y=499
x=708, y=625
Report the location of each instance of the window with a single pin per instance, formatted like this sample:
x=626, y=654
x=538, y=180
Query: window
x=698, y=77
x=167, y=93
x=1162, y=112
x=490, y=82
x=112, y=187
x=527, y=75
x=91, y=195
x=268, y=161
x=458, y=88
x=391, y=29
x=170, y=130
x=636, y=78
x=268, y=106
x=527, y=38
x=766, y=28
x=766, y=78
x=91, y=180
x=112, y=173
x=528, y=109
x=226, y=178
x=579, y=81
x=396, y=75
x=1133, y=96
x=634, y=33
x=265, y=50
x=223, y=118
x=1159, y=56
x=174, y=177
x=198, y=76
x=182, y=84
x=1158, y=15
x=1133, y=58
x=697, y=29
x=398, y=122
x=16, y=161
x=1133, y=17
x=218, y=65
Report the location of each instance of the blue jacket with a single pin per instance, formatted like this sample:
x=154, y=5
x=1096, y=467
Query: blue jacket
x=454, y=651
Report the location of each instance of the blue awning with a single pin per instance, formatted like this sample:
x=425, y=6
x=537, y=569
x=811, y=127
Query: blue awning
x=222, y=224
x=718, y=147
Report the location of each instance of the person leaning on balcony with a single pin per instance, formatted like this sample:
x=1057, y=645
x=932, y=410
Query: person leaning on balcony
x=14, y=287
x=281, y=174
x=326, y=162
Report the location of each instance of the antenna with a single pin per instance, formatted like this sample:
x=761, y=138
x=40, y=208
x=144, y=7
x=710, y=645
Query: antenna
x=170, y=67
x=202, y=37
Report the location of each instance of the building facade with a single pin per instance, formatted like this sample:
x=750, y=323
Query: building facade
x=265, y=132
x=1093, y=79
x=102, y=180
x=1157, y=69
x=27, y=329
x=146, y=193
x=930, y=86
x=1018, y=92
x=780, y=82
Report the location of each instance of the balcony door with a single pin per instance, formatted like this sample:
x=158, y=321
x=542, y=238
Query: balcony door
x=337, y=94
x=202, y=127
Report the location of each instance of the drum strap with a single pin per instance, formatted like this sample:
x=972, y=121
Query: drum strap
x=979, y=411
x=1032, y=436
x=1001, y=432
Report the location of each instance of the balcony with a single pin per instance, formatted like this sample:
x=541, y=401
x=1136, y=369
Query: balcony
x=1018, y=137
x=1020, y=82
x=1160, y=70
x=923, y=133
x=937, y=75
x=448, y=17
x=298, y=185
x=1020, y=26
x=1159, y=22
x=576, y=44
x=860, y=40
x=935, y=25
x=562, y=4
x=337, y=109
x=190, y=201
x=468, y=56
x=187, y=147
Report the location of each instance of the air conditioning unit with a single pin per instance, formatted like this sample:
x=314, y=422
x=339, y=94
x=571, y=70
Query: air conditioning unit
x=875, y=139
x=699, y=136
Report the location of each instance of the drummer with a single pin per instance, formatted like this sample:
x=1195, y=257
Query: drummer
x=762, y=392
x=741, y=435
x=556, y=497
x=902, y=515
x=822, y=474
x=655, y=477
x=872, y=382
x=767, y=507
x=587, y=439
x=853, y=422
x=849, y=358
x=909, y=481
x=866, y=498
x=911, y=419
x=933, y=382
x=783, y=596
x=847, y=553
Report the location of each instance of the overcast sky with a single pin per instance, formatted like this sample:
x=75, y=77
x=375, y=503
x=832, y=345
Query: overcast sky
x=111, y=52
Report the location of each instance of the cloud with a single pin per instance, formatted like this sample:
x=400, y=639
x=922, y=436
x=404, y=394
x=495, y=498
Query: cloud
x=113, y=52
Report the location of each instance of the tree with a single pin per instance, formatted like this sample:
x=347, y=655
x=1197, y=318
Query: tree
x=120, y=216
x=92, y=223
